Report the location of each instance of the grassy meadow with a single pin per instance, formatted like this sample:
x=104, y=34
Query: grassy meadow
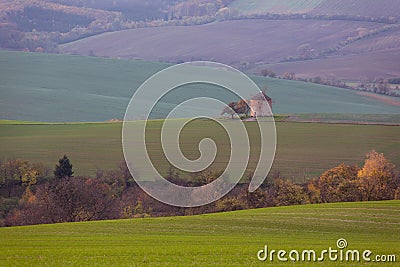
x=348, y=7
x=61, y=88
x=303, y=149
x=224, y=239
x=274, y=6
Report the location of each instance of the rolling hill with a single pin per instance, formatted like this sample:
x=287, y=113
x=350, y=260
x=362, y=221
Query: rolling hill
x=352, y=67
x=326, y=28
x=231, y=42
x=364, y=8
x=60, y=88
x=224, y=239
x=274, y=6
x=251, y=43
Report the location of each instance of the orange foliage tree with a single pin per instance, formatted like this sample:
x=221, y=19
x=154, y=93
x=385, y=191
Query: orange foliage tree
x=339, y=184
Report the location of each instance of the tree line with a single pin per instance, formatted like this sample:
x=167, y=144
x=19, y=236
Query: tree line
x=30, y=193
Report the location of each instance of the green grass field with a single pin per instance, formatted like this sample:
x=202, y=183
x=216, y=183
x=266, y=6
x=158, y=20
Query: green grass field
x=61, y=88
x=274, y=6
x=303, y=149
x=224, y=239
x=383, y=119
x=362, y=8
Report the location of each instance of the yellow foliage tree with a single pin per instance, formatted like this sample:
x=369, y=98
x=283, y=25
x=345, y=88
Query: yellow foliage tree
x=377, y=177
x=14, y=173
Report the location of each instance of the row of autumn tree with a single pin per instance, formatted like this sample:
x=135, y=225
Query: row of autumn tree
x=28, y=195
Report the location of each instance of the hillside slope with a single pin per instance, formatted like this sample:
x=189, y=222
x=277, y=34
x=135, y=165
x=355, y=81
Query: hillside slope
x=45, y=87
x=224, y=239
x=364, y=8
x=250, y=43
x=231, y=42
x=357, y=67
x=274, y=6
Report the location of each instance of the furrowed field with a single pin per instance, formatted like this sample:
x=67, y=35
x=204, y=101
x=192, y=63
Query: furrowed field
x=304, y=150
x=232, y=238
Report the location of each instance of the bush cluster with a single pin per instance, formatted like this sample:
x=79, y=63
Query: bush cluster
x=30, y=194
